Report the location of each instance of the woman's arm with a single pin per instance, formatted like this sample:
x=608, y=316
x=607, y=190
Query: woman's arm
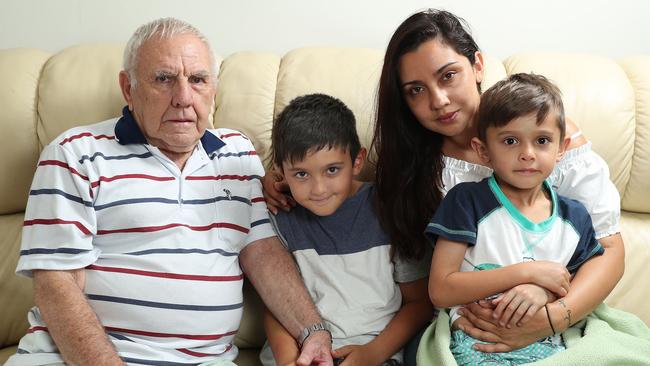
x=449, y=287
x=284, y=347
x=592, y=283
x=416, y=310
x=595, y=279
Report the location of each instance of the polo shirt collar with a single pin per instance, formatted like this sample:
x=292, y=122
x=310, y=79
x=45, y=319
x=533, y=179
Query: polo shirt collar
x=210, y=142
x=128, y=132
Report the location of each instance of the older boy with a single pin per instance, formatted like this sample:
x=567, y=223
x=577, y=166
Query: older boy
x=371, y=302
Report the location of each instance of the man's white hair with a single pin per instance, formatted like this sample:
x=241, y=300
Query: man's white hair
x=163, y=28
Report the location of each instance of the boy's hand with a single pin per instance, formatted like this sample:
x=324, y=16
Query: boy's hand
x=519, y=304
x=355, y=354
x=274, y=186
x=550, y=275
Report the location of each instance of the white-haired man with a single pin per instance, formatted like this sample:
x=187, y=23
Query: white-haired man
x=139, y=230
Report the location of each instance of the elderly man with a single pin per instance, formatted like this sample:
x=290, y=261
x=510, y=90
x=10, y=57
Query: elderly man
x=139, y=229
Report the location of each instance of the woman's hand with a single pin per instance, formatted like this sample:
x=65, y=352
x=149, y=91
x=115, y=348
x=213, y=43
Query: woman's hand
x=479, y=323
x=517, y=305
x=274, y=186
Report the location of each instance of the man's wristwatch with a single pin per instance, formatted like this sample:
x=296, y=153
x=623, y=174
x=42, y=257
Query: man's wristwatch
x=305, y=333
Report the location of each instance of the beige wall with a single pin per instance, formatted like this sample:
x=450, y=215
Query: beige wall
x=502, y=27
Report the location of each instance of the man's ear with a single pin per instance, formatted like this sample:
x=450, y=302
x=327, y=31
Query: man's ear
x=125, y=86
x=480, y=149
x=359, y=161
x=562, y=149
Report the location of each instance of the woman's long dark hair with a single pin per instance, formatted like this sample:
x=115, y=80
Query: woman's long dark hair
x=409, y=157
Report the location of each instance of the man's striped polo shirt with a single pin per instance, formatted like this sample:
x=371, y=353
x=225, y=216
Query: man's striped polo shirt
x=160, y=246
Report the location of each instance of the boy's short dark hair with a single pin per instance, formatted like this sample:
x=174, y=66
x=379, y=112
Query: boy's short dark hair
x=517, y=96
x=310, y=123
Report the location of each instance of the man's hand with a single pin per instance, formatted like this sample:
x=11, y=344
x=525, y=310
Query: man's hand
x=273, y=273
x=519, y=304
x=274, y=186
x=317, y=350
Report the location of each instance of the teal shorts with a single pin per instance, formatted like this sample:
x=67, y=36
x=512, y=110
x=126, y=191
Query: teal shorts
x=465, y=355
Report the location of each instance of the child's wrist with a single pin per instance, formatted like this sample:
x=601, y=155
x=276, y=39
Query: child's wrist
x=374, y=353
x=527, y=272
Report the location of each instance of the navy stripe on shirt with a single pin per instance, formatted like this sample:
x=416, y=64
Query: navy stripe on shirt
x=162, y=305
x=114, y=157
x=183, y=251
x=53, y=251
x=73, y=198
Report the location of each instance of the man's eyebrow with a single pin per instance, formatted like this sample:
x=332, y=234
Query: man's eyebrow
x=201, y=73
x=158, y=73
x=438, y=72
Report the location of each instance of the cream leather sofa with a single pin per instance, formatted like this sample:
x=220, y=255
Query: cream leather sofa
x=43, y=94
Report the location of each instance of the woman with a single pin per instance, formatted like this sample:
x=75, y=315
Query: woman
x=429, y=94
x=428, y=99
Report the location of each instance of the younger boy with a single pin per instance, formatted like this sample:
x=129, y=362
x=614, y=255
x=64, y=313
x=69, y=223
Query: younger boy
x=509, y=237
x=371, y=302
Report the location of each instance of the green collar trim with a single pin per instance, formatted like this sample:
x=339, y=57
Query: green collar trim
x=517, y=216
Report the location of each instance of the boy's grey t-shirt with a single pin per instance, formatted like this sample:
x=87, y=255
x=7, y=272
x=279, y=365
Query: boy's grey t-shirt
x=345, y=262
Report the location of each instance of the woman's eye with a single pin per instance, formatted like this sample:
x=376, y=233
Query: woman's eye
x=448, y=75
x=416, y=90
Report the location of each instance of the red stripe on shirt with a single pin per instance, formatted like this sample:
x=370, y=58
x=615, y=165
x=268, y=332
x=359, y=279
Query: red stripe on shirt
x=220, y=177
x=258, y=199
x=201, y=354
x=63, y=165
x=130, y=176
x=36, y=329
x=206, y=337
x=230, y=135
x=169, y=226
x=166, y=275
x=57, y=222
x=86, y=134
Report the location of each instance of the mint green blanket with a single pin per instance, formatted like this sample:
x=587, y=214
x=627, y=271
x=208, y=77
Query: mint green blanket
x=606, y=337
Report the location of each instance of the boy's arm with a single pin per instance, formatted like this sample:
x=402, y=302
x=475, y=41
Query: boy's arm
x=284, y=347
x=416, y=310
x=449, y=287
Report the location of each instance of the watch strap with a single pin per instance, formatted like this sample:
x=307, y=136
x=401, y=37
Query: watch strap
x=307, y=331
